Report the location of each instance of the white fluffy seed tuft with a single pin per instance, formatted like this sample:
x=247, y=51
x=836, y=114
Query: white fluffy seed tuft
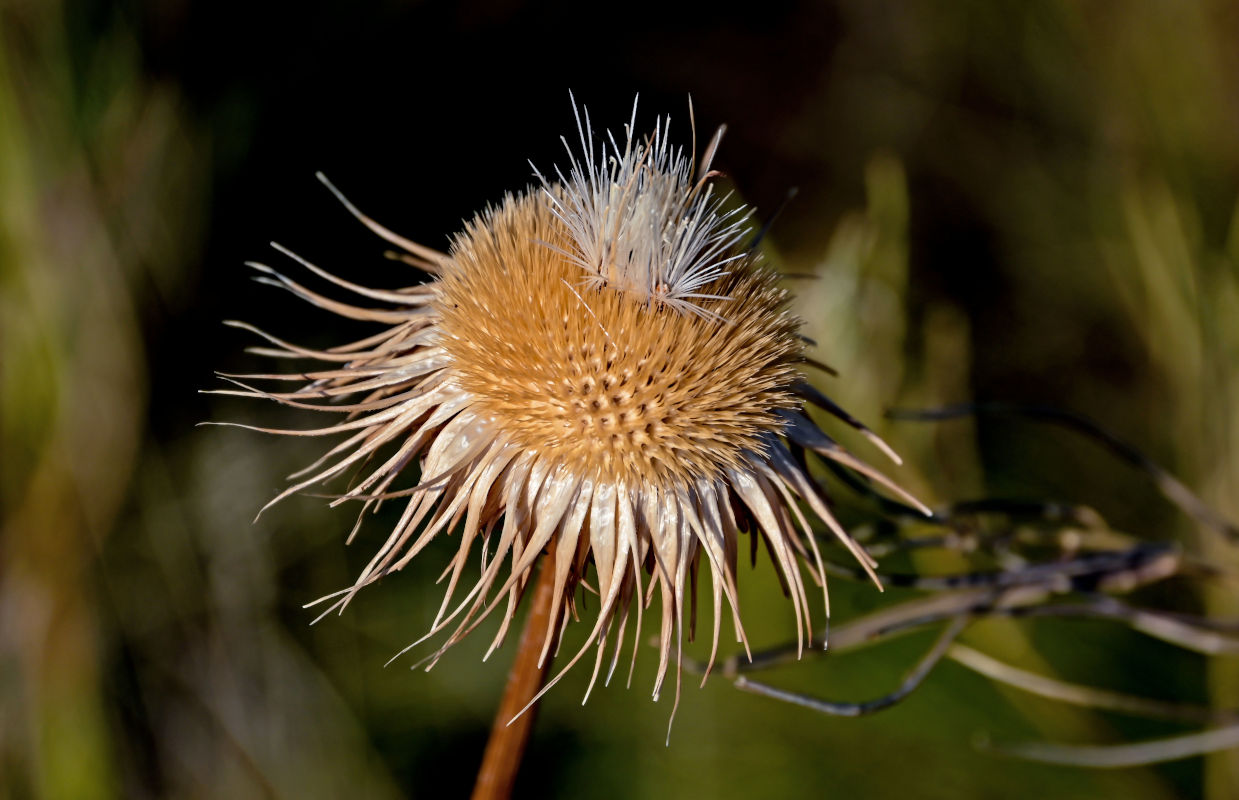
x=644, y=219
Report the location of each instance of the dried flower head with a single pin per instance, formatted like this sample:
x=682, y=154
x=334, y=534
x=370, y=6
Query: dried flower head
x=599, y=370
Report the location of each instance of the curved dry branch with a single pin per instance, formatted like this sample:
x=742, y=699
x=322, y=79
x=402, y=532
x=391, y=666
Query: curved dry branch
x=911, y=682
x=1171, y=487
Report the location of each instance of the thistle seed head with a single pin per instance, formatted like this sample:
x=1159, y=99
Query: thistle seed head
x=596, y=370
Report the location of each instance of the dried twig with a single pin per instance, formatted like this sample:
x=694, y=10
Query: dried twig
x=1087, y=696
x=910, y=683
x=1154, y=751
x=1032, y=558
x=1170, y=486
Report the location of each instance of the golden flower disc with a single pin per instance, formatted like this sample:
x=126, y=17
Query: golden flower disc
x=617, y=386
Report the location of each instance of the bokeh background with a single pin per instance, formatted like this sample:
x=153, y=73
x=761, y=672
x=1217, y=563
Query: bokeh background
x=1030, y=202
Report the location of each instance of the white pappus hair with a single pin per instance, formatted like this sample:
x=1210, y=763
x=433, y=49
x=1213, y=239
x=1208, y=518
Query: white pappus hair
x=644, y=219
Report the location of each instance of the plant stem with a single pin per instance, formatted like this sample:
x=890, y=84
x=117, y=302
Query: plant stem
x=506, y=746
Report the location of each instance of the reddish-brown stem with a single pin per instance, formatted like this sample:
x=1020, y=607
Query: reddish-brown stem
x=506, y=747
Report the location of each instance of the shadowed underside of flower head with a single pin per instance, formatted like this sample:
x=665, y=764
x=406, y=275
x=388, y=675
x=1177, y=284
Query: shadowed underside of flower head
x=552, y=405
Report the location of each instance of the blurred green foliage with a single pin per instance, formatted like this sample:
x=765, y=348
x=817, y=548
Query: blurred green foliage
x=1017, y=201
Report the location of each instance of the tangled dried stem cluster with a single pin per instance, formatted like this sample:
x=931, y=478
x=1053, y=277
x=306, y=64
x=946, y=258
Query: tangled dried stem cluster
x=563, y=383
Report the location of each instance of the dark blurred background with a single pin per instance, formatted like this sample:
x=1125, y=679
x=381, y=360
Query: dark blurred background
x=1001, y=200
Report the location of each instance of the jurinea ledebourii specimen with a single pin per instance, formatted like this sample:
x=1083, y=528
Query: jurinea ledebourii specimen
x=598, y=368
